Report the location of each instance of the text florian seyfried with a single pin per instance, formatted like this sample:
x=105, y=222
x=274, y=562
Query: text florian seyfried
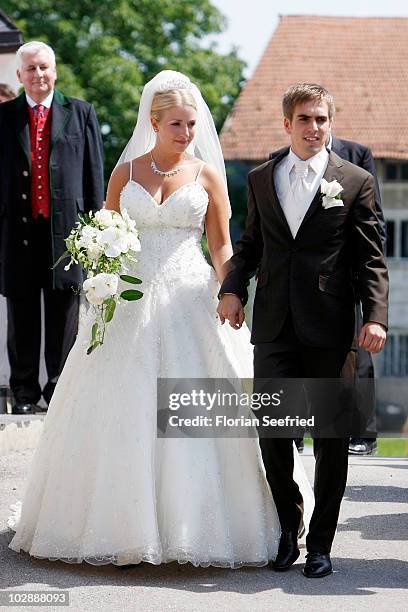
x=218, y=400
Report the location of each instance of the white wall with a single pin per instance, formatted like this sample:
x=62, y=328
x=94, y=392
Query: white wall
x=8, y=67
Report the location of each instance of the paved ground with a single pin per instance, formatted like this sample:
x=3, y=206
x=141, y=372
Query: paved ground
x=370, y=560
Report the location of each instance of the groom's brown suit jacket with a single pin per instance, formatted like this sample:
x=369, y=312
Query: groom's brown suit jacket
x=312, y=276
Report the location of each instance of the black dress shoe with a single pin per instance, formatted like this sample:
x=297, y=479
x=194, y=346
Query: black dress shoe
x=23, y=408
x=288, y=551
x=317, y=565
x=41, y=409
x=362, y=446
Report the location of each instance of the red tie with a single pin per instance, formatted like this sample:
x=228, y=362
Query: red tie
x=40, y=111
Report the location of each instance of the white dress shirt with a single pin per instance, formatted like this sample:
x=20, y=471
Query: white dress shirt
x=329, y=144
x=46, y=102
x=296, y=189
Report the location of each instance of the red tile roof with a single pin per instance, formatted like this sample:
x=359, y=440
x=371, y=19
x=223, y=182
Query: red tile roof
x=362, y=61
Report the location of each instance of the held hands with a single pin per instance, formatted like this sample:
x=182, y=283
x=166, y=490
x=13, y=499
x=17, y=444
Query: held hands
x=230, y=308
x=372, y=337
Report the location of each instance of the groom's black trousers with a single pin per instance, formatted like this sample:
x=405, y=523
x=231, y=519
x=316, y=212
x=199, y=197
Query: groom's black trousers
x=287, y=357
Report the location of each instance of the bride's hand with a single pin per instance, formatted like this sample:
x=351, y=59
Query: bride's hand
x=230, y=308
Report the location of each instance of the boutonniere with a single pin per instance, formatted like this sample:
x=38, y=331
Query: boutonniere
x=331, y=193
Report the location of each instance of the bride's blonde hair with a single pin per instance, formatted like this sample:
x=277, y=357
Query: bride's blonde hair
x=162, y=100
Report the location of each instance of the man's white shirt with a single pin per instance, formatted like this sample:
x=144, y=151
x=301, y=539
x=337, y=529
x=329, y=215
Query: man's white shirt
x=46, y=102
x=297, y=182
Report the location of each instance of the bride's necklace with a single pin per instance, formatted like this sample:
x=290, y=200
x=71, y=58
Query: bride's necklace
x=161, y=172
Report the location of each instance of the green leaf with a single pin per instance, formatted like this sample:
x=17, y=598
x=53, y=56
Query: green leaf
x=94, y=332
x=131, y=294
x=63, y=256
x=130, y=279
x=93, y=346
x=110, y=309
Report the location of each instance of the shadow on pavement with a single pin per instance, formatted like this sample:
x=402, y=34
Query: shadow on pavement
x=379, y=527
x=351, y=576
x=375, y=493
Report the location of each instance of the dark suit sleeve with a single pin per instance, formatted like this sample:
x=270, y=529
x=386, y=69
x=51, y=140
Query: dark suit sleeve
x=367, y=162
x=372, y=275
x=93, y=164
x=247, y=253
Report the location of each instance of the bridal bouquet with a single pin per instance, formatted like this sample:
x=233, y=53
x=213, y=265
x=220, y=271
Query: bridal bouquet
x=102, y=243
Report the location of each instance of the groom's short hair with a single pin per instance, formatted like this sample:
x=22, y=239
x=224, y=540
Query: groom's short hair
x=302, y=92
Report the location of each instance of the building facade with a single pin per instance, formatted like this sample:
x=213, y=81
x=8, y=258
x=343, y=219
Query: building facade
x=362, y=62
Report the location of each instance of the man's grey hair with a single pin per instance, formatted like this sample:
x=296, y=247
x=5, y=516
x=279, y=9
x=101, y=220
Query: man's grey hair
x=34, y=47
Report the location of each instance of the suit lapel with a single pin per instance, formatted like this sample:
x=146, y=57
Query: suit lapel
x=333, y=172
x=23, y=126
x=277, y=207
x=61, y=114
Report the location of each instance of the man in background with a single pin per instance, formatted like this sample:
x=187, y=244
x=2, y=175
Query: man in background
x=6, y=93
x=51, y=169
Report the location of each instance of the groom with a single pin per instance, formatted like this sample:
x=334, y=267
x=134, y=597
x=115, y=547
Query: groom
x=308, y=249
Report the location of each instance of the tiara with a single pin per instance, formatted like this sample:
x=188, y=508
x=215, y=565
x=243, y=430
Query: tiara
x=175, y=83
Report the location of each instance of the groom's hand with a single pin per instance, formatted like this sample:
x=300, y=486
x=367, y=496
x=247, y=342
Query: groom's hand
x=372, y=337
x=230, y=308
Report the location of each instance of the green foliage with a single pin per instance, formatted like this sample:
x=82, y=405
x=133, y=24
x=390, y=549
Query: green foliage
x=110, y=305
x=130, y=279
x=131, y=294
x=106, y=51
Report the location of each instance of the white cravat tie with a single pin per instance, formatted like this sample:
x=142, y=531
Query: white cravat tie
x=300, y=186
x=301, y=194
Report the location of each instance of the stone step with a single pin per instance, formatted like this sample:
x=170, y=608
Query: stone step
x=20, y=432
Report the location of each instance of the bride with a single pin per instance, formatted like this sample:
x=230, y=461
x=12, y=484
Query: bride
x=103, y=488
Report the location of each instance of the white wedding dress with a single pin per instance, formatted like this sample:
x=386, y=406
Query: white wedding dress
x=102, y=487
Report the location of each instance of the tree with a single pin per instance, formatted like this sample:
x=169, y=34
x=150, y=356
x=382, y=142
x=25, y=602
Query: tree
x=106, y=51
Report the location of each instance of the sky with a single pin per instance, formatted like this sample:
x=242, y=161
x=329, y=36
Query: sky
x=252, y=22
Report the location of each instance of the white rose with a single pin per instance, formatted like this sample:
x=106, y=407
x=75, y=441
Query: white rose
x=89, y=231
x=113, y=241
x=133, y=242
x=105, y=218
x=87, y=237
x=100, y=287
x=332, y=189
x=94, y=251
x=130, y=223
x=120, y=223
x=93, y=298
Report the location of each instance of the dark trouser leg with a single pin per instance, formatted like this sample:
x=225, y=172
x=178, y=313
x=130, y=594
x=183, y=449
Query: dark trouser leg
x=23, y=345
x=61, y=328
x=277, y=456
x=277, y=453
x=272, y=360
x=365, y=369
x=331, y=456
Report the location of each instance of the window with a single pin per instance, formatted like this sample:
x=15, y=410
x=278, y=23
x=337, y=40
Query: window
x=404, y=238
x=397, y=238
x=404, y=172
x=394, y=357
x=396, y=171
x=390, y=244
x=391, y=171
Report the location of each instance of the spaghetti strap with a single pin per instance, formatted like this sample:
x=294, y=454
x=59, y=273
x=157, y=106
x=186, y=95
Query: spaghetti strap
x=199, y=171
x=130, y=170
